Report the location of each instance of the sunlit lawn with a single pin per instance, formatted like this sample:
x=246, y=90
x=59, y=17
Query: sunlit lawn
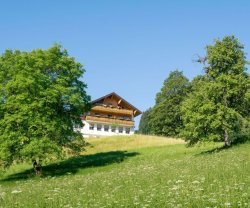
x=127, y=143
x=135, y=171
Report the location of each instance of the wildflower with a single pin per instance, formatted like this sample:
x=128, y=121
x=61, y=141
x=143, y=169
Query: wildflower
x=175, y=187
x=16, y=191
x=2, y=195
x=212, y=200
x=195, y=182
x=244, y=194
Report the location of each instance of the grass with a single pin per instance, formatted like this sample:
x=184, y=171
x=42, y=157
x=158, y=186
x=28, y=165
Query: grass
x=127, y=142
x=135, y=171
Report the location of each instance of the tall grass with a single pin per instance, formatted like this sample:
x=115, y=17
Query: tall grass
x=127, y=142
x=137, y=175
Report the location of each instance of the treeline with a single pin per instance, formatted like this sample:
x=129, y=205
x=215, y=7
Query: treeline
x=212, y=107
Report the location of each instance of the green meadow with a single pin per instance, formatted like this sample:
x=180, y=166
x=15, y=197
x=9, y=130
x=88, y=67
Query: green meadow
x=136, y=171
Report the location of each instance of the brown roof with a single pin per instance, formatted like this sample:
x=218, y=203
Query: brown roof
x=138, y=112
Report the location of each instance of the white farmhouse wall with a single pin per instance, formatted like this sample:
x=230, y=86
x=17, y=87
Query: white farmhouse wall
x=87, y=132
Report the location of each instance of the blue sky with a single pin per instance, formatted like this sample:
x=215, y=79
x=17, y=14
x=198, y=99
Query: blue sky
x=126, y=46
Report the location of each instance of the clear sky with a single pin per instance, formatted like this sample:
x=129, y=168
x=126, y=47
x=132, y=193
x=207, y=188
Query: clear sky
x=126, y=46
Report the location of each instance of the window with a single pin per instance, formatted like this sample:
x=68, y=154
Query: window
x=99, y=127
x=106, y=128
x=120, y=129
x=127, y=130
x=113, y=128
x=91, y=126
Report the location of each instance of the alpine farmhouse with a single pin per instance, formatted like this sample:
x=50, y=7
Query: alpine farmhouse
x=110, y=115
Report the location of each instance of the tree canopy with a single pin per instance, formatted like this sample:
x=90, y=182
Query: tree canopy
x=41, y=99
x=165, y=117
x=144, y=127
x=216, y=107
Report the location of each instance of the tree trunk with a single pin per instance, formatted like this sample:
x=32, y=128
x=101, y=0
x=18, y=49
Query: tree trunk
x=37, y=167
x=226, y=139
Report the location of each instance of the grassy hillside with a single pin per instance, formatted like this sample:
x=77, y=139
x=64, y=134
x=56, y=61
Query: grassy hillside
x=135, y=171
x=126, y=143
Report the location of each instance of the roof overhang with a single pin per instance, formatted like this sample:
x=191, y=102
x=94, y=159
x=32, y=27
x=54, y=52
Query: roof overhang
x=120, y=99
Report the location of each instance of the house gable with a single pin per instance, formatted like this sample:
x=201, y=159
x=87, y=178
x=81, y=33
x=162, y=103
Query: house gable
x=113, y=100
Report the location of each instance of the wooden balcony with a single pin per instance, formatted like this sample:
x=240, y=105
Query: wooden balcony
x=112, y=110
x=109, y=120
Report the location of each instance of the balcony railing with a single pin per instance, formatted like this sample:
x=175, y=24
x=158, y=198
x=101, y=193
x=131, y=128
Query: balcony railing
x=109, y=120
x=110, y=109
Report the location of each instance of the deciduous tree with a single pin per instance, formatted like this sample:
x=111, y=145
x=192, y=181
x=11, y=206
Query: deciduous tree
x=41, y=99
x=144, y=127
x=165, y=117
x=217, y=106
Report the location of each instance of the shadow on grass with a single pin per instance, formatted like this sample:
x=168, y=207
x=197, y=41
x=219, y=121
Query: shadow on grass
x=74, y=164
x=215, y=150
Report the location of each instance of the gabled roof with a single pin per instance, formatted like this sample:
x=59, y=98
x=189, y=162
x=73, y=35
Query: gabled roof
x=137, y=111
